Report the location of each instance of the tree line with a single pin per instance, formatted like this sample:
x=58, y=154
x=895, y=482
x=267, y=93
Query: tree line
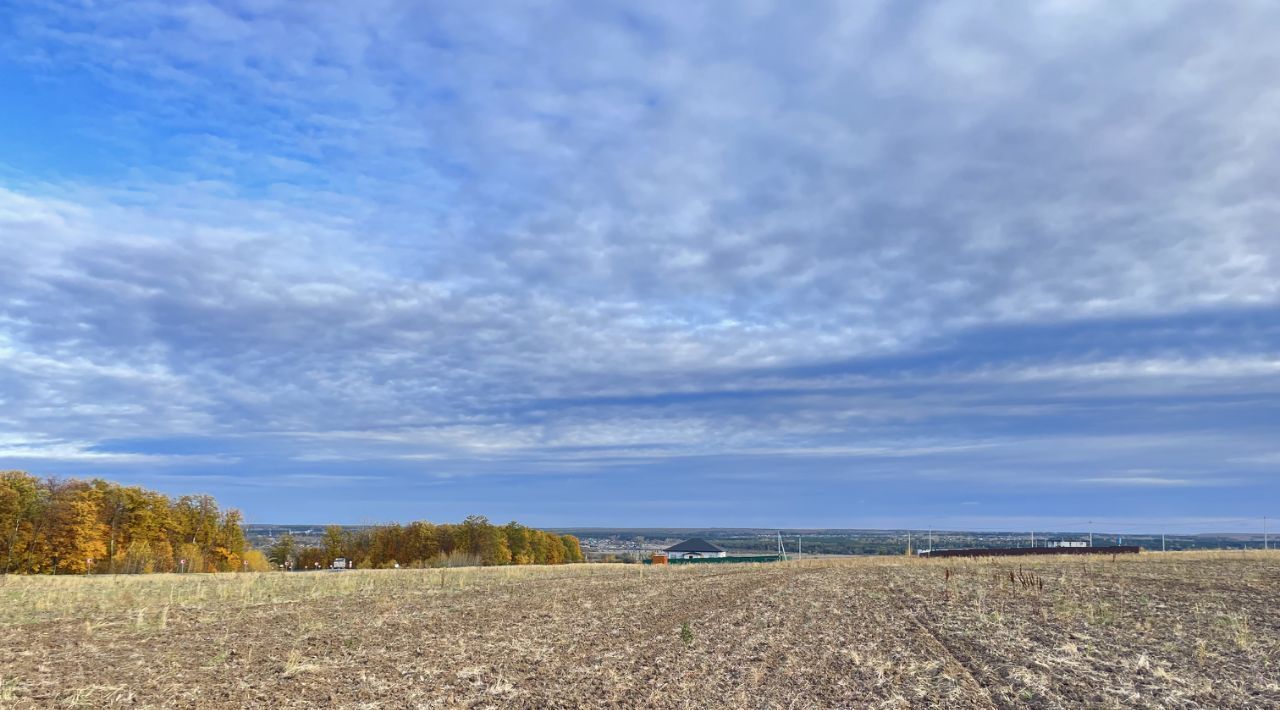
x=474, y=541
x=60, y=526
x=69, y=526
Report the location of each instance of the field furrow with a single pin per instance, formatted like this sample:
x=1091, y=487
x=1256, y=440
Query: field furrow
x=1190, y=630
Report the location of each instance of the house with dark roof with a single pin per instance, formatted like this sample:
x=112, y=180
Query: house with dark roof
x=694, y=548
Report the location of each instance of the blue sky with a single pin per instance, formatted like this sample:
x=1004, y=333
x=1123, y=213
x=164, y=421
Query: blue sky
x=983, y=265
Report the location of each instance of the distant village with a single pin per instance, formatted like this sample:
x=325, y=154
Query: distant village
x=634, y=545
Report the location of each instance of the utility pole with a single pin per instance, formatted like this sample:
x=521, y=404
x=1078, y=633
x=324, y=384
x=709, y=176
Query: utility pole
x=931, y=540
x=1090, y=533
x=1033, y=538
x=1265, y=543
x=909, y=543
x=1162, y=542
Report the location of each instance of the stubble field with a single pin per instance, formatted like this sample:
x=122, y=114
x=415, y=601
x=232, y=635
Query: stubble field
x=1176, y=630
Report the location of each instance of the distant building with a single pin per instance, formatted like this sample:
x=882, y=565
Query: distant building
x=694, y=548
x=1066, y=543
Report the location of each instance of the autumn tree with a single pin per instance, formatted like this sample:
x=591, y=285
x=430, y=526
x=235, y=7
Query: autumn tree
x=22, y=506
x=76, y=536
x=56, y=526
x=311, y=558
x=255, y=561
x=474, y=541
x=519, y=543
x=572, y=549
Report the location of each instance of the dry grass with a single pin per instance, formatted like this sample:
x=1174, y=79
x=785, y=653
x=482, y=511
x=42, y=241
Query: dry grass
x=1176, y=630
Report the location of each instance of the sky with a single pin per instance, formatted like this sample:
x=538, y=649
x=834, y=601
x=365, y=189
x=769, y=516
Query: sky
x=988, y=265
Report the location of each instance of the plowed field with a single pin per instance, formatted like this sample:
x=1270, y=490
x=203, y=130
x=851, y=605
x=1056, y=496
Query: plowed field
x=1176, y=630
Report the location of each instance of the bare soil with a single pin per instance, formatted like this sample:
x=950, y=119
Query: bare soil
x=1177, y=630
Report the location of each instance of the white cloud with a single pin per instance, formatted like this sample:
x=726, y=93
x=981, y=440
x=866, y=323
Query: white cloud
x=1151, y=481
x=22, y=451
x=427, y=232
x=1250, y=366
x=1267, y=459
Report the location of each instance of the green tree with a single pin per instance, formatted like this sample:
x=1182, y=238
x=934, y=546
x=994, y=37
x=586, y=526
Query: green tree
x=334, y=542
x=284, y=550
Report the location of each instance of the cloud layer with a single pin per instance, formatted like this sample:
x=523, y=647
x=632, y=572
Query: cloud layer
x=593, y=250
